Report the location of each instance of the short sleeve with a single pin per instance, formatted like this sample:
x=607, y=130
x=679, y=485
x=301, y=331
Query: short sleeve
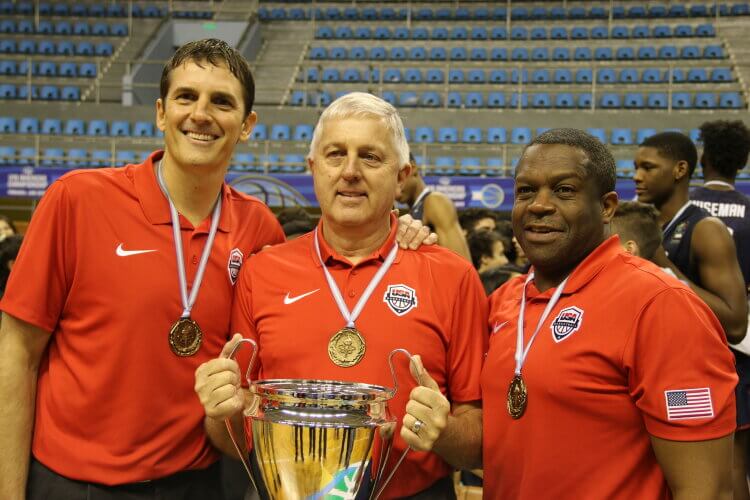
x=242, y=320
x=39, y=283
x=468, y=340
x=682, y=376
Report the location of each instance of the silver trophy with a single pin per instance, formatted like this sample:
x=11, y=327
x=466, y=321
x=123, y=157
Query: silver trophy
x=314, y=439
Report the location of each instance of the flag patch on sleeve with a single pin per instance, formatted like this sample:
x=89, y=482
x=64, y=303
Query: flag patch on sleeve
x=683, y=404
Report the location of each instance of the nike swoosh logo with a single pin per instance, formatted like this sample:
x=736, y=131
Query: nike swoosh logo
x=498, y=326
x=121, y=252
x=291, y=300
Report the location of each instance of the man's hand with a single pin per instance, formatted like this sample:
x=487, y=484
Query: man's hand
x=426, y=412
x=219, y=385
x=412, y=233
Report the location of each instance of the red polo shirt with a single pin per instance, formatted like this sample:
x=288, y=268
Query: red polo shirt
x=97, y=269
x=283, y=301
x=627, y=353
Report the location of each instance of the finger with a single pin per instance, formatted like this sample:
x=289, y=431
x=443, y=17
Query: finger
x=215, y=366
x=419, y=236
x=421, y=375
x=229, y=346
x=429, y=399
x=432, y=239
x=226, y=407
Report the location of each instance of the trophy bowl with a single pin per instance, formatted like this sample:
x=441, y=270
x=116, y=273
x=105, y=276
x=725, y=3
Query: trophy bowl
x=314, y=439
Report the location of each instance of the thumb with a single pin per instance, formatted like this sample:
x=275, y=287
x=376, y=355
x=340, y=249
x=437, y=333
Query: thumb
x=420, y=374
x=229, y=346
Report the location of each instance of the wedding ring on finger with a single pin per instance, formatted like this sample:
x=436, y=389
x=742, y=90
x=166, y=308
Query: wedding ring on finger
x=418, y=424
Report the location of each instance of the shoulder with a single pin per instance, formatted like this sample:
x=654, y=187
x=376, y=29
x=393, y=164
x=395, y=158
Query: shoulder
x=100, y=177
x=510, y=290
x=711, y=227
x=437, y=201
x=247, y=202
x=438, y=257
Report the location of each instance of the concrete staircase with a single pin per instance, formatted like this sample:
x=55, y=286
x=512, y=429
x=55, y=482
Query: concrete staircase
x=284, y=48
x=733, y=33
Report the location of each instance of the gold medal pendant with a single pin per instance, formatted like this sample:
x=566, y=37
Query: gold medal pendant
x=517, y=397
x=346, y=348
x=185, y=337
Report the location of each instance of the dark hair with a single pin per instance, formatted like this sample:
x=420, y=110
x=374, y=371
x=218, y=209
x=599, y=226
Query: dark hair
x=215, y=52
x=9, y=248
x=639, y=222
x=494, y=278
x=726, y=145
x=480, y=245
x=674, y=145
x=469, y=216
x=599, y=164
x=9, y=222
x=505, y=229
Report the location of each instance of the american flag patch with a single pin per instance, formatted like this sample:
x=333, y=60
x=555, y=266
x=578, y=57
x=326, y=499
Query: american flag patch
x=689, y=403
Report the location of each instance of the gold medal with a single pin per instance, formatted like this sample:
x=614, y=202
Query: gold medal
x=346, y=348
x=517, y=397
x=185, y=337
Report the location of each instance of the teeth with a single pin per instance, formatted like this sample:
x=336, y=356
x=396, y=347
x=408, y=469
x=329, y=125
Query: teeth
x=200, y=137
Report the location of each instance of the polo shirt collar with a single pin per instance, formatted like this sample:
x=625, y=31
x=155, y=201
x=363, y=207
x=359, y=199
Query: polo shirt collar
x=587, y=269
x=155, y=205
x=330, y=256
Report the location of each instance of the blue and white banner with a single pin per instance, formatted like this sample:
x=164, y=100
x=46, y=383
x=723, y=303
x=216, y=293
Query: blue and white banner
x=297, y=189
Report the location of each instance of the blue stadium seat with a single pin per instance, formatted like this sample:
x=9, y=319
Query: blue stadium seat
x=472, y=135
x=625, y=54
x=47, y=68
x=434, y=75
x=539, y=54
x=7, y=46
x=598, y=13
x=516, y=75
x=77, y=157
x=28, y=125
x=558, y=33
x=458, y=54
x=657, y=11
x=657, y=100
x=540, y=76
x=401, y=33
x=476, y=76
x=539, y=13
x=390, y=97
x=363, y=33
x=444, y=165
x=668, y=52
x=683, y=31
x=496, y=100
x=640, y=31
x=651, y=75
x=690, y=52
x=496, y=135
x=560, y=54
x=49, y=93
x=412, y=75
x=599, y=133
x=302, y=133
x=454, y=100
x=730, y=100
x=331, y=75
x=681, y=100
x=661, y=31
x=558, y=13
x=540, y=100
x=644, y=133
x=740, y=9
x=697, y=75
x=474, y=100
x=358, y=53
x=579, y=33
x=705, y=100
x=519, y=13
x=438, y=54
x=439, y=33
x=499, y=54
x=470, y=166
x=705, y=30
x=628, y=75
x=424, y=134
x=259, y=133
x=637, y=12
x=378, y=53
x=7, y=155
x=478, y=54
x=519, y=33
x=281, y=132
x=75, y=126
x=103, y=49
x=564, y=101
x=98, y=128
x=620, y=32
x=8, y=68
x=100, y=29
x=622, y=136
x=351, y=75
x=599, y=33
x=53, y=157
x=634, y=101
x=584, y=75
x=448, y=135
x=7, y=125
x=721, y=75
x=430, y=100
x=610, y=101
x=577, y=13
x=520, y=135
x=143, y=129
x=603, y=53
x=456, y=76
x=344, y=32
x=606, y=75
x=519, y=100
x=398, y=53
x=562, y=76
x=538, y=33
x=647, y=52
x=7, y=26
x=408, y=99
x=498, y=33
x=582, y=54
x=713, y=52
x=479, y=33
x=120, y=128
x=519, y=54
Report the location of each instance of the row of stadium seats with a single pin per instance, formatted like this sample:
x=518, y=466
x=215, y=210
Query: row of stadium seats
x=676, y=10
x=303, y=132
x=49, y=47
x=419, y=53
x=516, y=33
x=48, y=68
x=474, y=76
x=43, y=92
x=78, y=28
x=94, y=9
x=543, y=100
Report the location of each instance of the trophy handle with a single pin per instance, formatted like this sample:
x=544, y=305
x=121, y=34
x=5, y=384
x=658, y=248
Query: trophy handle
x=228, y=421
x=385, y=453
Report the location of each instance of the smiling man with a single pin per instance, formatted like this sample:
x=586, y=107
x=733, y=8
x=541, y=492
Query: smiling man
x=103, y=323
x=429, y=301
x=583, y=394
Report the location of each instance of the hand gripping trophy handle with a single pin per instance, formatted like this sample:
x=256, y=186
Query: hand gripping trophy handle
x=228, y=421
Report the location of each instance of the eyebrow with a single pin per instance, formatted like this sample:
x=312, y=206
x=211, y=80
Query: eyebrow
x=214, y=94
x=574, y=173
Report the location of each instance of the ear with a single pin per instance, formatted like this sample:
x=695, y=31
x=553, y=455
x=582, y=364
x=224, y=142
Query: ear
x=247, y=126
x=632, y=248
x=680, y=170
x=161, y=122
x=404, y=174
x=609, y=205
x=310, y=164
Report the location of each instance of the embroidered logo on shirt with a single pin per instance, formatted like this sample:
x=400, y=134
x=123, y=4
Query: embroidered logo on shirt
x=683, y=404
x=400, y=298
x=567, y=322
x=234, y=264
x=121, y=252
x=291, y=300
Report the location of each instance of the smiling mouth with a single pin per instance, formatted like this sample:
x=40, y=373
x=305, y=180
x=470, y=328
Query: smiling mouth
x=351, y=194
x=200, y=136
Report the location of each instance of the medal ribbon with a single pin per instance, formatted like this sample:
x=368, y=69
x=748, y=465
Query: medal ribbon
x=188, y=302
x=676, y=216
x=352, y=316
x=521, y=353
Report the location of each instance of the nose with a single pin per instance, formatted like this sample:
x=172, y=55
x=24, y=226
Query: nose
x=199, y=113
x=542, y=203
x=638, y=175
x=351, y=170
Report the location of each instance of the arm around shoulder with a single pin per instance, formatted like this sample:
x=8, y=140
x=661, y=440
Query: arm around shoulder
x=22, y=346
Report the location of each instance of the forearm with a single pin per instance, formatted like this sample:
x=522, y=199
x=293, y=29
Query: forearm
x=216, y=430
x=18, y=394
x=460, y=443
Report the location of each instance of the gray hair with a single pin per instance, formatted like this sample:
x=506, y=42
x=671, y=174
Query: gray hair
x=363, y=105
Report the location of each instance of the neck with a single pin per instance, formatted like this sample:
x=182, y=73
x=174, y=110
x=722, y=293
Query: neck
x=669, y=208
x=546, y=280
x=419, y=186
x=192, y=191
x=709, y=175
x=355, y=243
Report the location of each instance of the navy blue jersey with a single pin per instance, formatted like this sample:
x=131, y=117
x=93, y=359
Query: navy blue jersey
x=733, y=208
x=417, y=211
x=677, y=237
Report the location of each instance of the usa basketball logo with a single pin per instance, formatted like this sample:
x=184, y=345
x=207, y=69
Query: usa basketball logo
x=566, y=323
x=234, y=265
x=400, y=298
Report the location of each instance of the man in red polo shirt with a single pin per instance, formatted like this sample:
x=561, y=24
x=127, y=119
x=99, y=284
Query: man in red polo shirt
x=294, y=298
x=605, y=377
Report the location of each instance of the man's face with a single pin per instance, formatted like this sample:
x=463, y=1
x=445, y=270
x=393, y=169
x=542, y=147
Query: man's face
x=356, y=171
x=485, y=224
x=558, y=216
x=654, y=176
x=497, y=258
x=406, y=192
x=202, y=116
x=5, y=230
